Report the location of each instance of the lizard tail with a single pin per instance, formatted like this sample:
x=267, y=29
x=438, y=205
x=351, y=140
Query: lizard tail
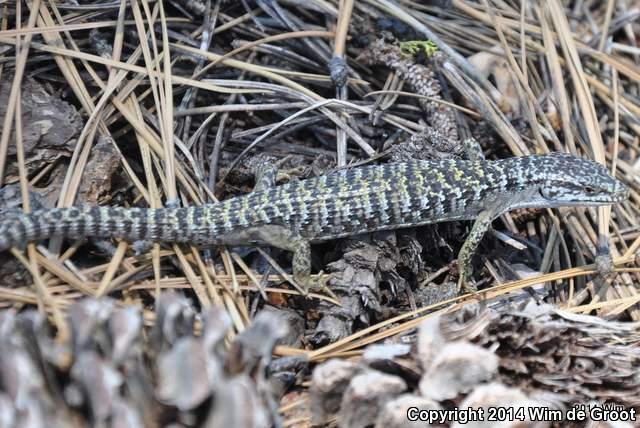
x=131, y=224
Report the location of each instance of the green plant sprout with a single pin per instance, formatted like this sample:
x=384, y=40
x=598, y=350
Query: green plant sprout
x=413, y=47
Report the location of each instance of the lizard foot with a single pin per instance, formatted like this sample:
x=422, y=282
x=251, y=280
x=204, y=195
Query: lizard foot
x=466, y=285
x=317, y=282
x=141, y=247
x=604, y=261
x=464, y=282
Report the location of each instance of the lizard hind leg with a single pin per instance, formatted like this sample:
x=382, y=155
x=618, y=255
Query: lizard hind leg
x=267, y=172
x=301, y=265
x=266, y=175
x=473, y=150
x=283, y=238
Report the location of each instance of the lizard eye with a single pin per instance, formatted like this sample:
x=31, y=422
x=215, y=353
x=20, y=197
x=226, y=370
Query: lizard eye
x=589, y=190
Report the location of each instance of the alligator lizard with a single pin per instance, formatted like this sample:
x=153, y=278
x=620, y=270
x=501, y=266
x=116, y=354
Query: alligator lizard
x=347, y=202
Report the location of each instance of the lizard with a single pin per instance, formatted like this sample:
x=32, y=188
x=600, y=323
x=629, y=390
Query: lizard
x=347, y=202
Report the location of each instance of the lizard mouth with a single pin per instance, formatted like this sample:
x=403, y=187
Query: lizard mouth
x=620, y=195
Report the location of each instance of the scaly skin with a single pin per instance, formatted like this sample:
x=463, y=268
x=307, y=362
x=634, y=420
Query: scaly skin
x=344, y=203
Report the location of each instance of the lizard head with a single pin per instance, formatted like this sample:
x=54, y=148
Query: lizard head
x=569, y=180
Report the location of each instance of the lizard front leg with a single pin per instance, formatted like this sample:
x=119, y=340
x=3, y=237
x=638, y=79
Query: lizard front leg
x=480, y=227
